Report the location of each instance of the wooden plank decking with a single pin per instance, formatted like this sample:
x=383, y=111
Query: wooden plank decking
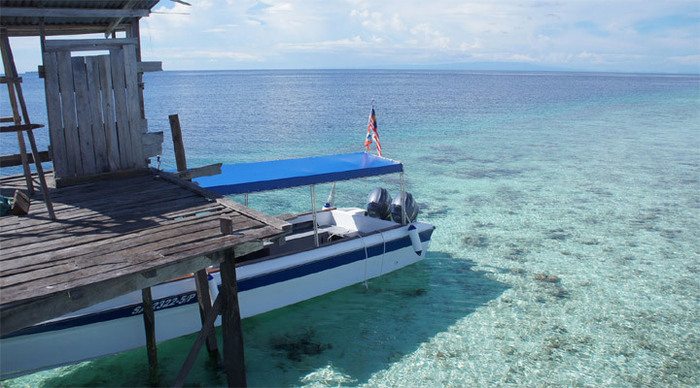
x=112, y=237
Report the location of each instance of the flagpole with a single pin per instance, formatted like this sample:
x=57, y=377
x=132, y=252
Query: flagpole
x=372, y=134
x=331, y=199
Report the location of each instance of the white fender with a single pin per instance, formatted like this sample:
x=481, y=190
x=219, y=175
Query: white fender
x=415, y=239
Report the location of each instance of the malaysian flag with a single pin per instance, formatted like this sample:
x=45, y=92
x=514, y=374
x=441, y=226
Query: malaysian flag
x=372, y=133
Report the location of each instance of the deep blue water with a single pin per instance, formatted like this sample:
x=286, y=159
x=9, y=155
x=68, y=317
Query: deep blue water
x=593, y=178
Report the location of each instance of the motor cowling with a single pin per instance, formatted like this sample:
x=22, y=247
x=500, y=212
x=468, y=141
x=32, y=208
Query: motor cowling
x=378, y=203
x=404, y=201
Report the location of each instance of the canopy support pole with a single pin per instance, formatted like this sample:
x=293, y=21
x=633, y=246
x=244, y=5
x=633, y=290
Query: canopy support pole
x=313, y=213
x=403, y=200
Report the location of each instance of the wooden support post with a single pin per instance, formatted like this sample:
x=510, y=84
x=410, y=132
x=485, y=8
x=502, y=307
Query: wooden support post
x=204, y=299
x=234, y=360
x=133, y=31
x=112, y=28
x=178, y=144
x=40, y=172
x=149, y=324
x=192, y=355
x=201, y=276
x=7, y=64
x=15, y=90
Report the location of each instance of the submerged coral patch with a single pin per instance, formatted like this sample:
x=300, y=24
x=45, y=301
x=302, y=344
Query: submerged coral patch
x=543, y=277
x=491, y=173
x=481, y=224
x=558, y=234
x=297, y=346
x=516, y=254
x=478, y=241
x=414, y=292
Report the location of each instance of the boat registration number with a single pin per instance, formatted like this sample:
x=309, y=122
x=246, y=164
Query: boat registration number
x=164, y=303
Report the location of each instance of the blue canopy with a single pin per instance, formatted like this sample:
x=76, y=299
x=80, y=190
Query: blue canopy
x=281, y=174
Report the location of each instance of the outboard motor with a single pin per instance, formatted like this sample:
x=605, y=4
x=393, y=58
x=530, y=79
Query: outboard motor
x=404, y=201
x=378, y=203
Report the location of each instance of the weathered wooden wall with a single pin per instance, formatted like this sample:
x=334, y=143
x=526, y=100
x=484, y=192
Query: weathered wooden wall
x=94, y=108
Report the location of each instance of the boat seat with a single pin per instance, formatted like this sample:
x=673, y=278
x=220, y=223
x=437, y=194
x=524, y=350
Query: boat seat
x=303, y=226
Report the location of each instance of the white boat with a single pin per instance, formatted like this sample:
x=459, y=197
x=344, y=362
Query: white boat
x=344, y=246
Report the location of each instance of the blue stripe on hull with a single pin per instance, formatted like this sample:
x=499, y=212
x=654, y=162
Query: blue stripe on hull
x=328, y=263
x=301, y=270
x=243, y=285
x=375, y=250
x=108, y=315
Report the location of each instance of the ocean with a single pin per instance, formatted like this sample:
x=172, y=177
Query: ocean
x=567, y=208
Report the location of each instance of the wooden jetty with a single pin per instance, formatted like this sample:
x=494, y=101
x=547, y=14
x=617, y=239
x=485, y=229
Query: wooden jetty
x=115, y=236
x=110, y=223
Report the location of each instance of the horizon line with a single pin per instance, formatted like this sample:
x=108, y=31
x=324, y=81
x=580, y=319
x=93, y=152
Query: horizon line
x=419, y=68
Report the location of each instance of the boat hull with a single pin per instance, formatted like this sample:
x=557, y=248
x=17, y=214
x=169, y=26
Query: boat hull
x=117, y=325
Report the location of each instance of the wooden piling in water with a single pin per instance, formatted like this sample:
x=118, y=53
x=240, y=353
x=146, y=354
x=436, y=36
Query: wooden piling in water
x=226, y=304
x=149, y=324
x=148, y=314
x=231, y=330
x=201, y=277
x=207, y=327
x=178, y=144
x=205, y=308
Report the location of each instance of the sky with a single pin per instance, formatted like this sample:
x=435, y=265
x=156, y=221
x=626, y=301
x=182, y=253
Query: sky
x=618, y=36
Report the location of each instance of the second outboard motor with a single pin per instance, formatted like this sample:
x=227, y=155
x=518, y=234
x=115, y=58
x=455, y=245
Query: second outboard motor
x=404, y=201
x=378, y=203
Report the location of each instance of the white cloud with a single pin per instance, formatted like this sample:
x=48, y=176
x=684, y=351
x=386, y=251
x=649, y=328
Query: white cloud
x=222, y=29
x=361, y=14
x=686, y=59
x=278, y=33
x=253, y=22
x=378, y=21
x=347, y=43
x=209, y=54
x=474, y=45
x=396, y=23
x=237, y=56
x=283, y=7
x=430, y=37
x=590, y=57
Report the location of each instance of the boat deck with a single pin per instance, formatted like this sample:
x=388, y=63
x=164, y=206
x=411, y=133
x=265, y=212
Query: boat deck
x=112, y=237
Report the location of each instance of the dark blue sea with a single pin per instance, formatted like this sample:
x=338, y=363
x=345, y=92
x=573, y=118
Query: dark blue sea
x=590, y=181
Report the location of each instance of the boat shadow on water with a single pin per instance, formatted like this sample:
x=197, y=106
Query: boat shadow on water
x=347, y=336
x=342, y=338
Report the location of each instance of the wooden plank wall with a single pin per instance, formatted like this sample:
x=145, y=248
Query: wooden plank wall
x=126, y=155
x=99, y=136
x=105, y=70
x=133, y=100
x=87, y=151
x=93, y=102
x=67, y=106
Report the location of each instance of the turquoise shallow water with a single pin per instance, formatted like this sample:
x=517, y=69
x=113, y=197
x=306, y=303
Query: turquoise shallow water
x=567, y=209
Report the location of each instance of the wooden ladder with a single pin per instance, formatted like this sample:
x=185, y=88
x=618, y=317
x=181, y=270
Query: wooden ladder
x=14, y=88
